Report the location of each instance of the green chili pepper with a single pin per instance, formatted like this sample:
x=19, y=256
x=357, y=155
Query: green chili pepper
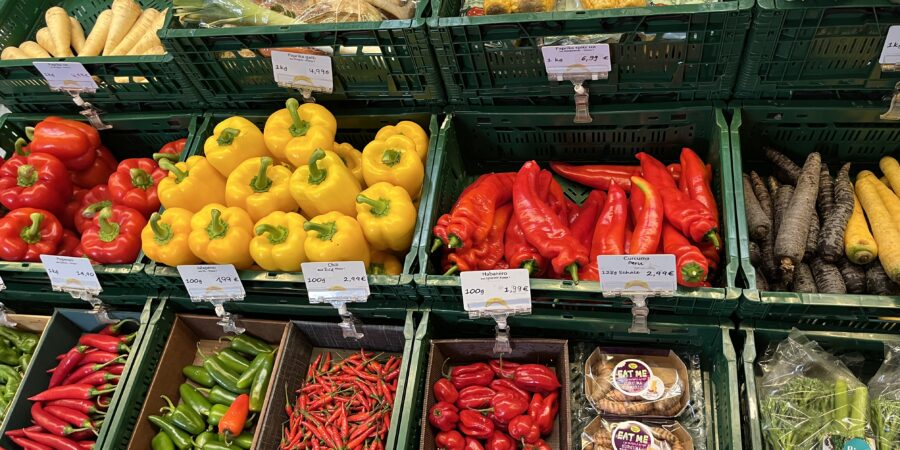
x=181, y=439
x=218, y=395
x=233, y=360
x=162, y=441
x=220, y=446
x=24, y=360
x=184, y=417
x=201, y=439
x=249, y=344
x=199, y=375
x=22, y=340
x=194, y=399
x=10, y=378
x=223, y=376
x=9, y=356
x=246, y=378
x=216, y=413
x=244, y=441
x=236, y=373
x=261, y=383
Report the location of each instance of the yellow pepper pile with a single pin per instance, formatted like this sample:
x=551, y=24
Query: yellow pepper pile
x=289, y=194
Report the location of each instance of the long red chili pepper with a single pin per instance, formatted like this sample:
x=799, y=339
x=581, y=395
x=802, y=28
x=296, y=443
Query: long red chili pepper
x=696, y=182
x=471, y=218
x=690, y=263
x=76, y=391
x=73, y=417
x=584, y=224
x=53, y=441
x=104, y=342
x=84, y=406
x=648, y=225
x=543, y=229
x=27, y=444
x=87, y=369
x=67, y=364
x=519, y=253
x=50, y=422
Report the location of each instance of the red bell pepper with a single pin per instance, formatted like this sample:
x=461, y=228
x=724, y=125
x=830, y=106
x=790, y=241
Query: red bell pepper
x=475, y=424
x=503, y=369
x=134, y=185
x=539, y=445
x=544, y=229
x=444, y=391
x=499, y=441
x=523, y=428
x=98, y=173
x=506, y=405
x=475, y=397
x=695, y=179
x=69, y=245
x=690, y=264
x=648, y=224
x=543, y=411
x=27, y=233
x=67, y=216
x=519, y=253
x=597, y=176
x=444, y=416
x=93, y=202
x=504, y=384
x=34, y=181
x=73, y=142
x=172, y=150
x=535, y=378
x=472, y=444
x=475, y=374
x=471, y=218
x=115, y=236
x=449, y=440
x=584, y=224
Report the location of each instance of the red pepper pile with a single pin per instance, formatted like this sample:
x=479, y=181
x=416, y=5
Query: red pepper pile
x=68, y=196
x=69, y=414
x=500, y=405
x=343, y=404
x=524, y=220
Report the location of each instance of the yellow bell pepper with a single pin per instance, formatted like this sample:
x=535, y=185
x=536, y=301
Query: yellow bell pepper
x=293, y=133
x=387, y=217
x=234, y=140
x=352, y=158
x=278, y=245
x=165, y=238
x=191, y=185
x=258, y=187
x=335, y=237
x=409, y=129
x=325, y=185
x=221, y=235
x=395, y=161
x=384, y=263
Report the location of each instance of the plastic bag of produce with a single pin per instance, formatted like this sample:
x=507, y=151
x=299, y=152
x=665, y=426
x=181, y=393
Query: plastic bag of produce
x=809, y=400
x=884, y=393
x=636, y=382
x=616, y=434
x=225, y=13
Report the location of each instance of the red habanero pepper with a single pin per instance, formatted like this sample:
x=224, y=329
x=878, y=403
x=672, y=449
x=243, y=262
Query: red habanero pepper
x=449, y=440
x=134, y=185
x=67, y=215
x=583, y=226
x=471, y=218
x=99, y=171
x=597, y=176
x=543, y=229
x=232, y=423
x=71, y=141
x=444, y=391
x=508, y=404
x=472, y=444
x=475, y=374
x=648, y=224
x=503, y=369
x=519, y=253
x=475, y=397
x=91, y=204
x=70, y=245
x=536, y=377
x=499, y=441
x=523, y=428
x=473, y=423
x=115, y=236
x=27, y=233
x=687, y=215
x=504, y=384
x=539, y=445
x=690, y=264
x=443, y=416
x=696, y=181
x=35, y=181
x=104, y=342
x=173, y=148
x=75, y=391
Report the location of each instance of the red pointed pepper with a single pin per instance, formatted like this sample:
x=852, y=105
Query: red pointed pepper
x=550, y=191
x=71, y=141
x=449, y=440
x=115, y=236
x=536, y=377
x=648, y=224
x=134, y=185
x=27, y=233
x=597, y=176
x=475, y=424
x=34, y=181
x=475, y=374
x=471, y=218
x=475, y=397
x=584, y=224
x=690, y=264
x=609, y=234
x=696, y=181
x=98, y=173
x=443, y=416
x=440, y=228
x=519, y=253
x=444, y=391
x=487, y=254
x=93, y=202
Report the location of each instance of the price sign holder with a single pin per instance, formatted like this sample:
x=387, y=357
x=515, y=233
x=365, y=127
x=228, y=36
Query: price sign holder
x=578, y=64
x=216, y=284
x=893, y=112
x=497, y=294
x=304, y=72
x=637, y=277
x=2, y=285
x=73, y=79
x=76, y=277
x=338, y=283
x=5, y=321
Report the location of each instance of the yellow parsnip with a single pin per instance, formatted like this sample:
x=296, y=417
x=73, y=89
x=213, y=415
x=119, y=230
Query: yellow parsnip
x=97, y=39
x=891, y=170
x=60, y=30
x=141, y=28
x=33, y=50
x=77, y=34
x=12, y=52
x=124, y=14
x=44, y=40
x=886, y=235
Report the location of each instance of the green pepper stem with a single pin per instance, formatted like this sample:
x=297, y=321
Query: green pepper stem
x=436, y=245
x=453, y=269
x=277, y=234
x=454, y=241
x=109, y=231
x=32, y=233
x=316, y=174
x=299, y=127
x=180, y=175
x=261, y=182
x=26, y=175
x=29, y=133
x=391, y=158
x=162, y=233
x=20, y=147
x=140, y=178
x=376, y=269
x=692, y=272
x=380, y=207
x=530, y=266
x=167, y=156
x=170, y=406
x=217, y=227
x=713, y=238
x=227, y=136
x=326, y=230
x=91, y=210
x=573, y=271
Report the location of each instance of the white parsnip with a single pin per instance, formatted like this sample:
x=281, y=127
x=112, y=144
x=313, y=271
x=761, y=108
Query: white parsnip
x=44, y=40
x=33, y=50
x=142, y=27
x=124, y=14
x=93, y=46
x=77, y=34
x=13, y=52
x=60, y=31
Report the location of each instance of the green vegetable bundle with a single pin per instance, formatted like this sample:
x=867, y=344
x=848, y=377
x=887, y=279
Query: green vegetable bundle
x=16, y=349
x=884, y=389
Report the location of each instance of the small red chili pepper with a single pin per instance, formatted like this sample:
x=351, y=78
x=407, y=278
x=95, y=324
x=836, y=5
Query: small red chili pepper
x=597, y=176
x=449, y=440
x=536, y=378
x=696, y=179
x=648, y=223
x=53, y=441
x=68, y=363
x=114, y=329
x=134, y=185
x=475, y=397
x=508, y=404
x=690, y=264
x=99, y=377
x=499, y=441
x=471, y=218
x=475, y=374
x=28, y=233
x=104, y=342
x=84, y=406
x=87, y=368
x=523, y=428
x=444, y=391
x=584, y=224
x=69, y=415
x=444, y=416
x=474, y=424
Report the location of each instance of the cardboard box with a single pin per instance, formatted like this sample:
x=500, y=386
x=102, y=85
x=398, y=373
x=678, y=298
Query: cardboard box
x=190, y=332
x=552, y=352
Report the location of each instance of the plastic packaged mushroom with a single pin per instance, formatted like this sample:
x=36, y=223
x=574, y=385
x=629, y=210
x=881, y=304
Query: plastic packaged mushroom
x=618, y=434
x=636, y=382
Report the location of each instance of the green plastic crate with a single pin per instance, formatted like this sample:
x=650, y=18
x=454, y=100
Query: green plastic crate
x=23, y=88
x=358, y=130
x=817, y=49
x=841, y=132
x=665, y=53
x=386, y=62
x=36, y=297
x=758, y=338
x=705, y=336
x=131, y=136
x=63, y=331
x=498, y=139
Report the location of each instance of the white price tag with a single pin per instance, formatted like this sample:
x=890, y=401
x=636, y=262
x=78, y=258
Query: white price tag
x=303, y=71
x=2, y=284
x=890, y=53
x=71, y=274
x=66, y=76
x=496, y=290
x=637, y=273
x=212, y=282
x=342, y=281
x=587, y=61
